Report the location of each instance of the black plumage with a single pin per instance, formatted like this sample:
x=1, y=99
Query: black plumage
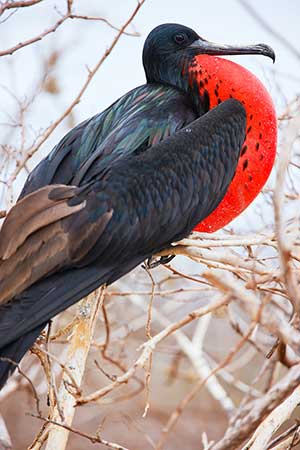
x=135, y=122
x=118, y=188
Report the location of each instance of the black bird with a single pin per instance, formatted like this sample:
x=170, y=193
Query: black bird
x=118, y=188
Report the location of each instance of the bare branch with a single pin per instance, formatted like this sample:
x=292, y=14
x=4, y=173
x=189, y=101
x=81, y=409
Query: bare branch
x=271, y=424
x=148, y=348
x=93, y=439
x=37, y=38
x=284, y=244
x=102, y=19
x=17, y=4
x=257, y=410
x=77, y=355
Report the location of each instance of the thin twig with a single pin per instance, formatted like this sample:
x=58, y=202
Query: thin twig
x=93, y=439
x=195, y=390
x=148, y=348
x=17, y=4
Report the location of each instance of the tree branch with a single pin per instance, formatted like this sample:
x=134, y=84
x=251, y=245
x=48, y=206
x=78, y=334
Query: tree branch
x=76, y=360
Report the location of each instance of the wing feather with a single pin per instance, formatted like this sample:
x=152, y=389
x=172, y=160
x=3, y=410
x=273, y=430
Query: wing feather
x=37, y=238
x=33, y=212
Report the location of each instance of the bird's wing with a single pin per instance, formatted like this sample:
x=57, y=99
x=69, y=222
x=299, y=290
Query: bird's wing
x=164, y=192
x=142, y=204
x=36, y=240
x=33, y=212
x=132, y=124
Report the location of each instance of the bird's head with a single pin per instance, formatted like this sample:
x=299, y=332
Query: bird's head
x=170, y=49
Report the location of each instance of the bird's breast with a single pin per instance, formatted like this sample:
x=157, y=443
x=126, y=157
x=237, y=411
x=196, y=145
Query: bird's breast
x=220, y=79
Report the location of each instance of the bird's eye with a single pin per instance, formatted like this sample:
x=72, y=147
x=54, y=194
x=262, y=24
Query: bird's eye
x=180, y=38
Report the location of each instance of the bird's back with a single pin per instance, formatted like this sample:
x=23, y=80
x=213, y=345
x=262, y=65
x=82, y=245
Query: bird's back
x=139, y=119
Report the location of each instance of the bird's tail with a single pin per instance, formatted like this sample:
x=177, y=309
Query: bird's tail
x=23, y=317
x=11, y=354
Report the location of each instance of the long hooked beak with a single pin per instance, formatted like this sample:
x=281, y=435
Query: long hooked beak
x=211, y=48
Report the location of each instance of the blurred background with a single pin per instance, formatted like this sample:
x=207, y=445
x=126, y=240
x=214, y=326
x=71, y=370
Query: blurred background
x=37, y=84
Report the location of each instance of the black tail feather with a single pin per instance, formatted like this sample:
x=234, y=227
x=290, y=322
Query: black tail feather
x=43, y=300
x=23, y=318
x=11, y=354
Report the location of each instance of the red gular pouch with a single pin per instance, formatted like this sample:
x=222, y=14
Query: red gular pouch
x=219, y=79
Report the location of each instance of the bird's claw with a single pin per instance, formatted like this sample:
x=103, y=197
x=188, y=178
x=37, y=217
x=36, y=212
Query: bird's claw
x=152, y=262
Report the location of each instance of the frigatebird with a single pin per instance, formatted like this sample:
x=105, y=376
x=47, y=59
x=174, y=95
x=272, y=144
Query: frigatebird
x=133, y=179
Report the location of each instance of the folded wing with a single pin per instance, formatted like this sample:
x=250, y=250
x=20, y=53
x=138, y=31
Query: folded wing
x=96, y=233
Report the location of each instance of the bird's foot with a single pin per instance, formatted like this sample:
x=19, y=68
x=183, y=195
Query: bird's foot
x=152, y=262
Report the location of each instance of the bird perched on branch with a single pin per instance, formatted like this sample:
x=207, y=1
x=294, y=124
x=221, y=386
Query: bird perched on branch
x=190, y=148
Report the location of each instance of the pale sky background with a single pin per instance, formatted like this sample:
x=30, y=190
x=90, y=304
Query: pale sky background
x=82, y=43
